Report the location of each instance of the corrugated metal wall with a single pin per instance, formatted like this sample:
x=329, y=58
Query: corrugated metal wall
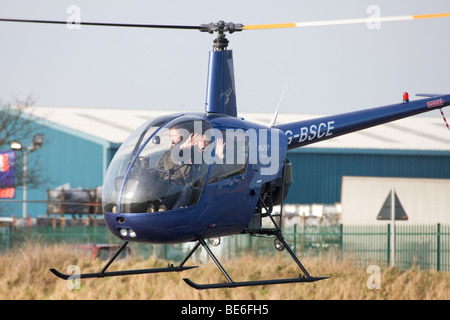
x=318, y=172
x=65, y=157
x=69, y=158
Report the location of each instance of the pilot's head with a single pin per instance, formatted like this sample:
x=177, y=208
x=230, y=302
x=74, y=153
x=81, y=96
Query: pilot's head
x=175, y=136
x=180, y=131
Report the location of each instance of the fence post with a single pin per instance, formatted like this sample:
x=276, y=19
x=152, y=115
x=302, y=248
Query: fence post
x=295, y=238
x=438, y=249
x=388, y=244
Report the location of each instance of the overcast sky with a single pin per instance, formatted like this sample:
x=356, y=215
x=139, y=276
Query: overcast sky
x=330, y=69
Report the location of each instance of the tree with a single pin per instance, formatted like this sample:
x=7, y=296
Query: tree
x=17, y=123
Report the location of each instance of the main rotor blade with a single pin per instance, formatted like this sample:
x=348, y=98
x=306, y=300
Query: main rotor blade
x=102, y=24
x=344, y=21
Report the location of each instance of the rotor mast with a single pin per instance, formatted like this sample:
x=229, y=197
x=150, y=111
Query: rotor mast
x=220, y=90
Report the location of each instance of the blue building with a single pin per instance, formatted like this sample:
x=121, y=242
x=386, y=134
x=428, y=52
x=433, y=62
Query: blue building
x=80, y=143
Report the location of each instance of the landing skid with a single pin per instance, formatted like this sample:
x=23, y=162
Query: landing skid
x=103, y=272
x=232, y=284
x=250, y=283
x=170, y=268
x=256, y=229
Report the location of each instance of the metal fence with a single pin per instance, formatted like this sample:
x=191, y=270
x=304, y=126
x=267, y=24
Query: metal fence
x=424, y=246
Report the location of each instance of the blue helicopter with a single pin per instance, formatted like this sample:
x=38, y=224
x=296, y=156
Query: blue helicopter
x=177, y=178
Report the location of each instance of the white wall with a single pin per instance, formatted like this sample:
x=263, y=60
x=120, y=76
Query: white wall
x=426, y=201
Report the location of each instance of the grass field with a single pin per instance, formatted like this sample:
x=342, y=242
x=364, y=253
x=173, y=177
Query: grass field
x=24, y=274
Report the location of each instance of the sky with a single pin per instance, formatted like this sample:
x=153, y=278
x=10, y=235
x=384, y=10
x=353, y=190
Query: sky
x=328, y=69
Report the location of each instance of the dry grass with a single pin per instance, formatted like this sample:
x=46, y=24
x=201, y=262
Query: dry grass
x=24, y=275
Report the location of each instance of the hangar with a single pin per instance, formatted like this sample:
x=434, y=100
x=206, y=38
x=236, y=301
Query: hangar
x=80, y=143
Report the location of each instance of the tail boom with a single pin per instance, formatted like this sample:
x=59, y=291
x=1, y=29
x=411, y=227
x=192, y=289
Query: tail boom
x=305, y=132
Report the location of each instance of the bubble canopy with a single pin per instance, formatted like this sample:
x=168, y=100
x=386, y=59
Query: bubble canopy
x=159, y=167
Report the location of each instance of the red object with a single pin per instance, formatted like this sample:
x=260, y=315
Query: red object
x=405, y=97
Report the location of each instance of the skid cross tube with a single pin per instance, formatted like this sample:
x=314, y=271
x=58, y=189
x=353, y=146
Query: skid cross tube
x=103, y=273
x=190, y=254
x=213, y=257
x=114, y=256
x=294, y=257
x=232, y=284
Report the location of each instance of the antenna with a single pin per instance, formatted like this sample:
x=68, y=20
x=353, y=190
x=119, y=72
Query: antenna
x=274, y=119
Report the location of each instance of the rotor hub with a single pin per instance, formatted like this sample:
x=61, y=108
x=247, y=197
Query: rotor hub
x=221, y=27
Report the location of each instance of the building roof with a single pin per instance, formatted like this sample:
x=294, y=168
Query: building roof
x=115, y=125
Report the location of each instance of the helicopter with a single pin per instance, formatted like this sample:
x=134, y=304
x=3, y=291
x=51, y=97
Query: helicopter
x=197, y=177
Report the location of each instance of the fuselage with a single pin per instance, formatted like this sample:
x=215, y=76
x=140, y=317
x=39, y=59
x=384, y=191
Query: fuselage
x=147, y=199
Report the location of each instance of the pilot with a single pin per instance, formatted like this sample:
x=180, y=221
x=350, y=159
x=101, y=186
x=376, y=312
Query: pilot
x=179, y=169
x=186, y=178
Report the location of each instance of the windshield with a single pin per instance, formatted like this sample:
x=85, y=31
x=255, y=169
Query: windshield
x=159, y=167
